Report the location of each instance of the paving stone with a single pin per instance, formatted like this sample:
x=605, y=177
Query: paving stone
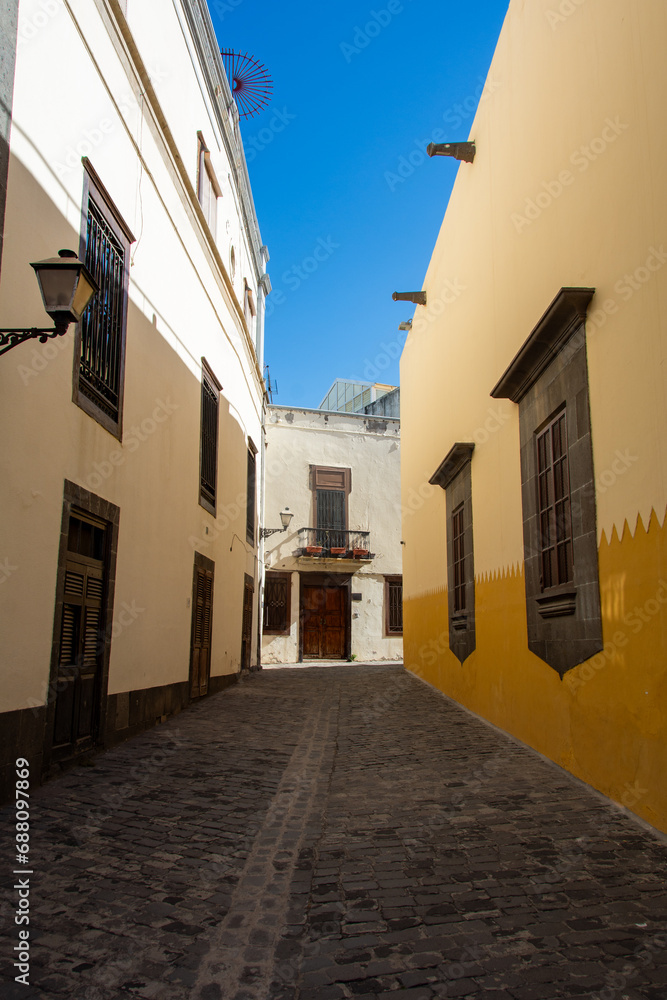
x=297, y=847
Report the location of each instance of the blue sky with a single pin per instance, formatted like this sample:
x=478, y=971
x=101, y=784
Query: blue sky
x=358, y=88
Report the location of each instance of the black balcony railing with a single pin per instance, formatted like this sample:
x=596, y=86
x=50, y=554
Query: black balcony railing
x=333, y=543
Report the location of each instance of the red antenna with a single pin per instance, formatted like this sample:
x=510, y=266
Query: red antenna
x=251, y=84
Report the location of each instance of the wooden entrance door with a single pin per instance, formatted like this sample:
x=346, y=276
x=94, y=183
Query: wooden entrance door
x=246, y=628
x=323, y=621
x=202, y=620
x=82, y=638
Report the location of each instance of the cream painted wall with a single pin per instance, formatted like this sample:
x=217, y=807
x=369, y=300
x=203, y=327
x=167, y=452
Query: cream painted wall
x=180, y=310
x=370, y=447
x=592, y=87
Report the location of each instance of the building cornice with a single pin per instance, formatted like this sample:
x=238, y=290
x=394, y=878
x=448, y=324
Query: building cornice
x=564, y=316
x=454, y=461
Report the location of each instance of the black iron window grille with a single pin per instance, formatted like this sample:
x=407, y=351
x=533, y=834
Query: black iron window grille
x=210, y=398
x=554, y=504
x=394, y=598
x=276, y=603
x=100, y=367
x=458, y=545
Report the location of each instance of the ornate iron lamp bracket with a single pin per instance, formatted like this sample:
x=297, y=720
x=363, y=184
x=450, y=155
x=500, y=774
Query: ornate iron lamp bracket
x=13, y=337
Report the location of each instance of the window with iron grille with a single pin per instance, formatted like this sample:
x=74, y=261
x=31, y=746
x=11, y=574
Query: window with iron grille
x=554, y=503
x=393, y=604
x=458, y=545
x=251, y=489
x=277, y=604
x=99, y=371
x=208, y=462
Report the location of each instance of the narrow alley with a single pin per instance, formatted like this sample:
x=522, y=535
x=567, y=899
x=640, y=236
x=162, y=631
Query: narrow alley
x=335, y=832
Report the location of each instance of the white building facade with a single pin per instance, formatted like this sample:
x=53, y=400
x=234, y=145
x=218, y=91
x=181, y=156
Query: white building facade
x=131, y=478
x=333, y=584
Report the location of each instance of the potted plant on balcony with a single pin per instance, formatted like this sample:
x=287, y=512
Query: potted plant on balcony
x=360, y=553
x=313, y=550
x=337, y=550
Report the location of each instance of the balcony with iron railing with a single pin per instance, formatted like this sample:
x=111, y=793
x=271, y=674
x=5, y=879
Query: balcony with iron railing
x=334, y=543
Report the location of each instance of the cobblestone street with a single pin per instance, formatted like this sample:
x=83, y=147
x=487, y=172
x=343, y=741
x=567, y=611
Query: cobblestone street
x=334, y=832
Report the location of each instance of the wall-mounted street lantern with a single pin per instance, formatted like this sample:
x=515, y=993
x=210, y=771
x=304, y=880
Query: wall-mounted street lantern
x=67, y=286
x=459, y=150
x=419, y=298
x=285, y=518
x=407, y=325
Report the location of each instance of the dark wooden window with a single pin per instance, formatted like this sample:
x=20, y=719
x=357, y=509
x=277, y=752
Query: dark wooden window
x=459, y=556
x=393, y=605
x=277, y=607
x=100, y=354
x=208, y=454
x=554, y=503
x=251, y=492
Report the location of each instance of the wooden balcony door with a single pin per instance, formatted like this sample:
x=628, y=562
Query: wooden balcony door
x=324, y=621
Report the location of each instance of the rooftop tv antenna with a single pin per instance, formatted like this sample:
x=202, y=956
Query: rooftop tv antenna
x=251, y=84
x=271, y=387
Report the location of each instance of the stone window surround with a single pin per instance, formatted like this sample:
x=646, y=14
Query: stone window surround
x=455, y=478
x=551, y=372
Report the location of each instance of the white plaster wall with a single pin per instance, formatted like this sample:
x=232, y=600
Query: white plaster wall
x=370, y=447
x=180, y=309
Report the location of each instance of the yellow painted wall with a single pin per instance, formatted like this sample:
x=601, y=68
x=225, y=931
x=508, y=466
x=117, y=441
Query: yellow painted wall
x=566, y=190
